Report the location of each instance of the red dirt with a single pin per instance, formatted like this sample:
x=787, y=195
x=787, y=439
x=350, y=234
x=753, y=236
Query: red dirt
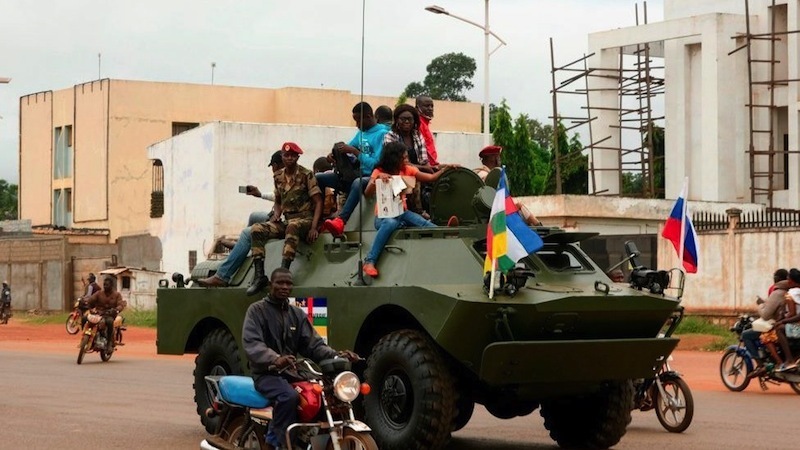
x=700, y=369
x=53, y=338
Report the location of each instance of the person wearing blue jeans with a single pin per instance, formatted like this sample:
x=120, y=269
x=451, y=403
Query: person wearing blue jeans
x=394, y=162
x=239, y=251
x=366, y=146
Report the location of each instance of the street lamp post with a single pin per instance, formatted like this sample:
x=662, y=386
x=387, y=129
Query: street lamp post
x=486, y=54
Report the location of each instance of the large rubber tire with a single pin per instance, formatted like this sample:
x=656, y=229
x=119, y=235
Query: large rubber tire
x=355, y=440
x=245, y=435
x=733, y=371
x=412, y=404
x=217, y=355
x=465, y=406
x=597, y=420
x=674, y=412
x=105, y=355
x=82, y=350
x=73, y=324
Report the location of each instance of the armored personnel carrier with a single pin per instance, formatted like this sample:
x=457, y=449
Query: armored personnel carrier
x=558, y=336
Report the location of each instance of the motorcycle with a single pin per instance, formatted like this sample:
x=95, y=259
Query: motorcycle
x=326, y=418
x=666, y=392
x=93, y=338
x=738, y=366
x=73, y=323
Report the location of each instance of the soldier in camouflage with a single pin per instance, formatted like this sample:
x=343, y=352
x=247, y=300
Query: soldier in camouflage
x=299, y=200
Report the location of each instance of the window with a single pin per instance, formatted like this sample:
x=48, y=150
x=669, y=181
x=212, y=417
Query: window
x=62, y=152
x=68, y=200
x=157, y=194
x=562, y=259
x=126, y=283
x=180, y=127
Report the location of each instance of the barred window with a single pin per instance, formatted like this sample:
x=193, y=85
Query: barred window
x=157, y=194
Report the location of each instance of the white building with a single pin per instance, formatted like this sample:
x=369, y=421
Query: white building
x=203, y=168
x=708, y=86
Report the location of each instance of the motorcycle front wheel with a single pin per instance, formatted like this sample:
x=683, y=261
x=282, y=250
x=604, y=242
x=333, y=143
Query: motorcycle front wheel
x=675, y=409
x=73, y=324
x=355, y=440
x=84, y=344
x=733, y=370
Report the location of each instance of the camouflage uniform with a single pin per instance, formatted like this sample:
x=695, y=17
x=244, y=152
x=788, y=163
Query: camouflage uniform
x=294, y=196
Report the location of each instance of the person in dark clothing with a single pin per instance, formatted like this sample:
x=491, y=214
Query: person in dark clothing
x=5, y=299
x=92, y=287
x=108, y=303
x=274, y=333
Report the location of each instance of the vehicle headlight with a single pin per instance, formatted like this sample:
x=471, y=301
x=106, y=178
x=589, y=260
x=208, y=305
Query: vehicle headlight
x=346, y=386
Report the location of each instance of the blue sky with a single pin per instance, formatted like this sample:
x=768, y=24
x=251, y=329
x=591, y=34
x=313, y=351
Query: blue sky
x=51, y=45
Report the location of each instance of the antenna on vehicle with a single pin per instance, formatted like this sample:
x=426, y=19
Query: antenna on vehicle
x=360, y=281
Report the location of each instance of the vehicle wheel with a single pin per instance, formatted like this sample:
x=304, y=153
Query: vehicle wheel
x=105, y=355
x=412, y=404
x=243, y=434
x=733, y=371
x=508, y=410
x=73, y=324
x=82, y=350
x=676, y=409
x=465, y=406
x=217, y=355
x=355, y=440
x=597, y=420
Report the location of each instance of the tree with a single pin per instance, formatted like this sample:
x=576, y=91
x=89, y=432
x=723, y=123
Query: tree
x=527, y=164
x=449, y=75
x=8, y=200
x=574, y=165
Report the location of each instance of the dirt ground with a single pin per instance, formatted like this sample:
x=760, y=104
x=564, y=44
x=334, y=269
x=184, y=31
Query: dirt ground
x=53, y=338
x=699, y=368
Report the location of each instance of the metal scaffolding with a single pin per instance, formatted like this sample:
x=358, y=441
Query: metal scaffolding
x=767, y=160
x=636, y=87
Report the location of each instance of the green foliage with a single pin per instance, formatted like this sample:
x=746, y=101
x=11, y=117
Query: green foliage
x=527, y=164
x=700, y=325
x=574, y=165
x=449, y=75
x=8, y=200
x=634, y=183
x=541, y=134
x=401, y=100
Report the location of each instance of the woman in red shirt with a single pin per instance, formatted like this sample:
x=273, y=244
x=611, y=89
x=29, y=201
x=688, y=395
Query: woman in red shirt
x=394, y=161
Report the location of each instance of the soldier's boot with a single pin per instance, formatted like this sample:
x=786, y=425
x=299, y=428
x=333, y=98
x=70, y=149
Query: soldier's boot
x=260, y=281
x=286, y=263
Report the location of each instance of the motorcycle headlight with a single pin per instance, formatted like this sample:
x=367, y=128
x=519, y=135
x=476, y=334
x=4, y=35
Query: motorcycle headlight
x=346, y=386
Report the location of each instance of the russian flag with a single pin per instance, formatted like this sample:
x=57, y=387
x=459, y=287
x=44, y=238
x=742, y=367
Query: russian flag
x=508, y=238
x=679, y=230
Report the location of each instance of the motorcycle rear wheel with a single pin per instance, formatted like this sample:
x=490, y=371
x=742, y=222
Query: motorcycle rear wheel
x=675, y=411
x=84, y=344
x=355, y=440
x=733, y=370
x=244, y=434
x=73, y=324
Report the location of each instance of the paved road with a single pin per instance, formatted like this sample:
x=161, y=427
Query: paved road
x=48, y=401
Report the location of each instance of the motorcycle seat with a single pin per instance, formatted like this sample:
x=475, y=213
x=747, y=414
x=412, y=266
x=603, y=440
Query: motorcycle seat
x=241, y=390
x=263, y=414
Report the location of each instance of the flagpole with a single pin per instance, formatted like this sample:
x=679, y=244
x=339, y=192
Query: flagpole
x=685, y=193
x=491, y=279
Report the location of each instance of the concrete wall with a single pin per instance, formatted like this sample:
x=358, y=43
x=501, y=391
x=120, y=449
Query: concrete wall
x=114, y=121
x=142, y=251
x=204, y=167
x=34, y=269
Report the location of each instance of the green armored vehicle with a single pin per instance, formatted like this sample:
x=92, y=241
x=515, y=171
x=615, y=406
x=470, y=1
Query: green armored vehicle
x=558, y=335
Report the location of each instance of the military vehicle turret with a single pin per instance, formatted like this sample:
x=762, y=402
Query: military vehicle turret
x=559, y=335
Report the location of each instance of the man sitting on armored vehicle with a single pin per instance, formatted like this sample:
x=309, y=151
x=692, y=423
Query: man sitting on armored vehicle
x=366, y=146
x=299, y=199
x=273, y=334
x=490, y=159
x=242, y=246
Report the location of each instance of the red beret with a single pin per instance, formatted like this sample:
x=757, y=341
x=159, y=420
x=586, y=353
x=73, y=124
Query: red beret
x=291, y=147
x=490, y=150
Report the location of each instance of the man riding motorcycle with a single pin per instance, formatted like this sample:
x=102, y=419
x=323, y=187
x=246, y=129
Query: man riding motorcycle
x=107, y=303
x=273, y=333
x=5, y=298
